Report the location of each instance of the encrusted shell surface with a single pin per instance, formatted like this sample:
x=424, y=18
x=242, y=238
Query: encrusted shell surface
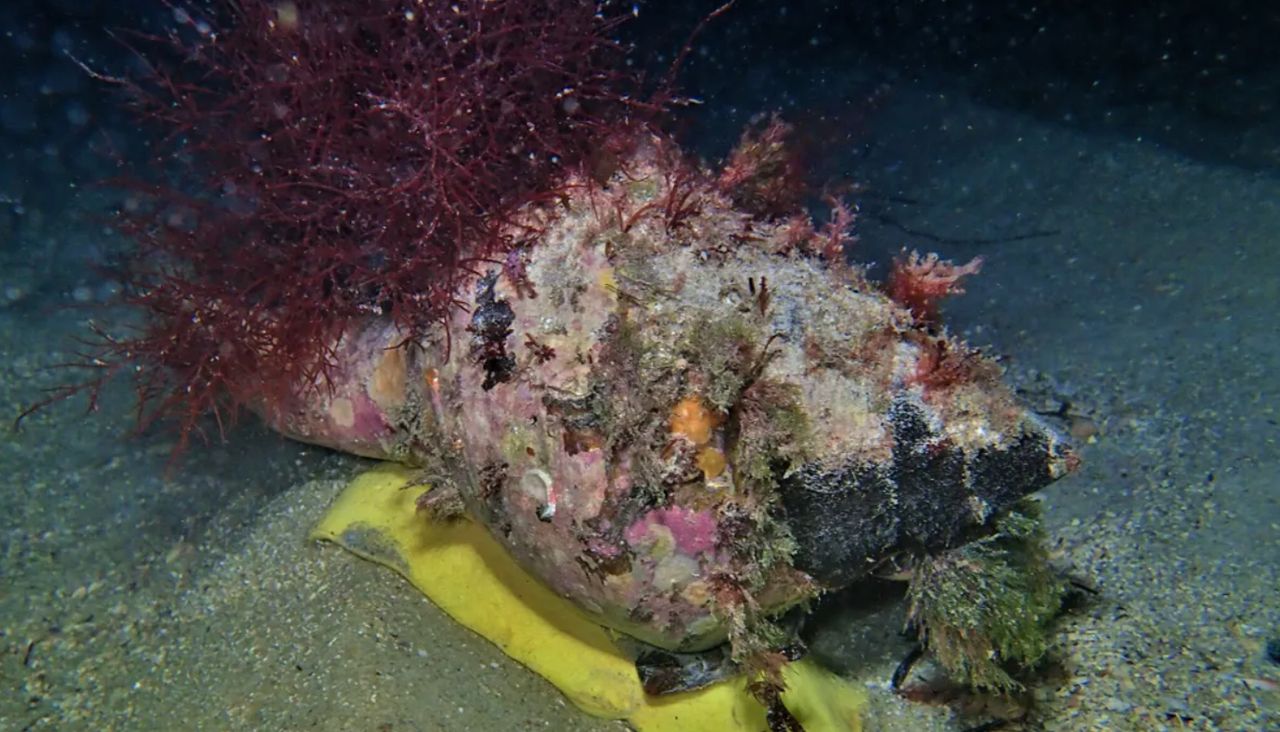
x=666, y=413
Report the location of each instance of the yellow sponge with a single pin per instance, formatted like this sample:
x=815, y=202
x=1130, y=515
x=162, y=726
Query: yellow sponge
x=470, y=576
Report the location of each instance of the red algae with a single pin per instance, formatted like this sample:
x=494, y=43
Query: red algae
x=921, y=283
x=352, y=159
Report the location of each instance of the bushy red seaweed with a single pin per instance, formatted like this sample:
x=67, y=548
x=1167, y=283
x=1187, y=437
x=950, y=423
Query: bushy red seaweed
x=346, y=158
x=763, y=174
x=921, y=283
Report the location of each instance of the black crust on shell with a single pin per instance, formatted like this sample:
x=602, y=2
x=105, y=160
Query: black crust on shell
x=926, y=499
x=490, y=326
x=932, y=494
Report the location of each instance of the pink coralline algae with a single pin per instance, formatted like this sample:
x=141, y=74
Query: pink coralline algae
x=694, y=532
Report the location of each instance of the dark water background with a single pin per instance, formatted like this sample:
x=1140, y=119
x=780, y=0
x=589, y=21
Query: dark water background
x=1201, y=79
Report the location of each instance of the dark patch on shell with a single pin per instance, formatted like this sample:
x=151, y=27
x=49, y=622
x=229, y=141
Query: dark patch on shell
x=580, y=419
x=932, y=496
x=929, y=497
x=490, y=327
x=493, y=476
